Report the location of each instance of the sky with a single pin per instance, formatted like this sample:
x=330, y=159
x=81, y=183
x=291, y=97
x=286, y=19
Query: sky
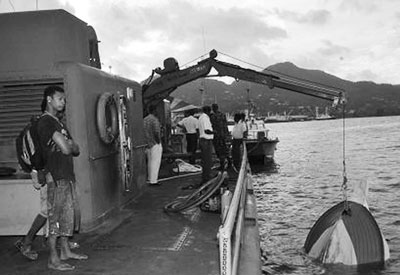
x=356, y=40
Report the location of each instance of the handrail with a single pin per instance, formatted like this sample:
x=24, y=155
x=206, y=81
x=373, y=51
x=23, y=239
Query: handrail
x=229, y=261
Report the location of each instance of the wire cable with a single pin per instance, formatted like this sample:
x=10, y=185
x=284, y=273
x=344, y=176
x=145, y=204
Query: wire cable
x=201, y=57
x=245, y=62
x=344, y=186
x=292, y=78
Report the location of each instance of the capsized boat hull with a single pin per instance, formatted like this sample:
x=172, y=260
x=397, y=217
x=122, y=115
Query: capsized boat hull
x=349, y=237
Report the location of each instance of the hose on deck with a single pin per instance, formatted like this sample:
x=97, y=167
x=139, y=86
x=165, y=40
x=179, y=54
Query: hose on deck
x=198, y=196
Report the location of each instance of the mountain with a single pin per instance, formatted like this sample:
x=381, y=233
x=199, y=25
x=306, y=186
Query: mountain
x=363, y=98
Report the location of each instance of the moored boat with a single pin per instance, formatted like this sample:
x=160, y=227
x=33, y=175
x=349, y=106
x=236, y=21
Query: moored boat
x=260, y=145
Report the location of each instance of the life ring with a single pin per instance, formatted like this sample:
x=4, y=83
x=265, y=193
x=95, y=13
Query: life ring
x=107, y=118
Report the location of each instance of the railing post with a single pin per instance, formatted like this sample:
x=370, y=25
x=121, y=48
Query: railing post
x=225, y=252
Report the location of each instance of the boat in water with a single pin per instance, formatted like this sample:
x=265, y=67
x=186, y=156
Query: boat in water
x=260, y=144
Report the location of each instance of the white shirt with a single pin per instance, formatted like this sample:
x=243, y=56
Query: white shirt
x=238, y=130
x=190, y=123
x=204, y=124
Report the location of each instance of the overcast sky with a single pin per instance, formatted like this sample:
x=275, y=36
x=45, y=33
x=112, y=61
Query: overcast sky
x=352, y=39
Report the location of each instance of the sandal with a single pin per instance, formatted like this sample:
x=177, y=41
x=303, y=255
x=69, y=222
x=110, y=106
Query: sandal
x=75, y=256
x=60, y=266
x=26, y=250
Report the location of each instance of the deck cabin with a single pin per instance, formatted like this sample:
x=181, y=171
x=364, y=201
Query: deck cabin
x=53, y=47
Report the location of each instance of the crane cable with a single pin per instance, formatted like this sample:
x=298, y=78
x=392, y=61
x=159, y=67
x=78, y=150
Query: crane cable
x=344, y=187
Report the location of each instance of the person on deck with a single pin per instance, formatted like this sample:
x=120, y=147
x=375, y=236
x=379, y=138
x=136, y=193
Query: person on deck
x=239, y=132
x=152, y=129
x=190, y=124
x=206, y=142
x=24, y=245
x=221, y=133
x=59, y=149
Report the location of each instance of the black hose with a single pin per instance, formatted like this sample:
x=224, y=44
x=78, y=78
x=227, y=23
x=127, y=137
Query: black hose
x=198, y=196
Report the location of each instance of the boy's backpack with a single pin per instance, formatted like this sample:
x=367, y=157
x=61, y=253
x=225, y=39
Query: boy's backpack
x=29, y=151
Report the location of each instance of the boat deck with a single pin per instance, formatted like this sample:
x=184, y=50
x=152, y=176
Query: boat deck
x=142, y=240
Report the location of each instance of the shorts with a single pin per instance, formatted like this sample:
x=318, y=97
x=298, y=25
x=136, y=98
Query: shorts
x=60, y=205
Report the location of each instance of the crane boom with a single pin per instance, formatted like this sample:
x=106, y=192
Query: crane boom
x=170, y=78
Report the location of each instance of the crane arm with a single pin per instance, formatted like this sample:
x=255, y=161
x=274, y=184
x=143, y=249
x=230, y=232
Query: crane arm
x=312, y=89
x=164, y=85
x=161, y=87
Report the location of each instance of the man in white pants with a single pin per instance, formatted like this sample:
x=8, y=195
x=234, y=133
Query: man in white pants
x=154, y=150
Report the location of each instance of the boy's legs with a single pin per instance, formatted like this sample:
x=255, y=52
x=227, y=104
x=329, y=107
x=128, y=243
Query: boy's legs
x=60, y=212
x=25, y=244
x=37, y=224
x=54, y=260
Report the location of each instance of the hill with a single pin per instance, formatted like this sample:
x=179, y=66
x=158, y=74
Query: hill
x=363, y=98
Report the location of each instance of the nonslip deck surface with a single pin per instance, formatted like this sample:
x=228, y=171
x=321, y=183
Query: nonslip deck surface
x=147, y=241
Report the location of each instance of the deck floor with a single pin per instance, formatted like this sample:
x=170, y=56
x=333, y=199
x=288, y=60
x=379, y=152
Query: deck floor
x=147, y=241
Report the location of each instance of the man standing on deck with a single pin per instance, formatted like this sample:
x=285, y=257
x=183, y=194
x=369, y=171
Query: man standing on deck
x=24, y=245
x=221, y=133
x=59, y=148
x=206, y=142
x=191, y=126
x=152, y=130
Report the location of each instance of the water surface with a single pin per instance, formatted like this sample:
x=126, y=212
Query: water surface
x=308, y=180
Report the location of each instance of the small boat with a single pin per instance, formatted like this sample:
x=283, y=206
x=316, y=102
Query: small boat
x=260, y=145
x=348, y=234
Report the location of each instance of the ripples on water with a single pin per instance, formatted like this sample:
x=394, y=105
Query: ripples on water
x=307, y=182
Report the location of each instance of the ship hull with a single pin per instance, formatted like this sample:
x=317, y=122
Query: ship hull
x=261, y=150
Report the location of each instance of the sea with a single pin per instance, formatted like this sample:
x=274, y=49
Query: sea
x=307, y=178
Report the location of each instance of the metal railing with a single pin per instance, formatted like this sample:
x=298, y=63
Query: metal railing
x=230, y=232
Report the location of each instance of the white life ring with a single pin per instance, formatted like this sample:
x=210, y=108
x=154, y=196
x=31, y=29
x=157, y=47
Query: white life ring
x=107, y=118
